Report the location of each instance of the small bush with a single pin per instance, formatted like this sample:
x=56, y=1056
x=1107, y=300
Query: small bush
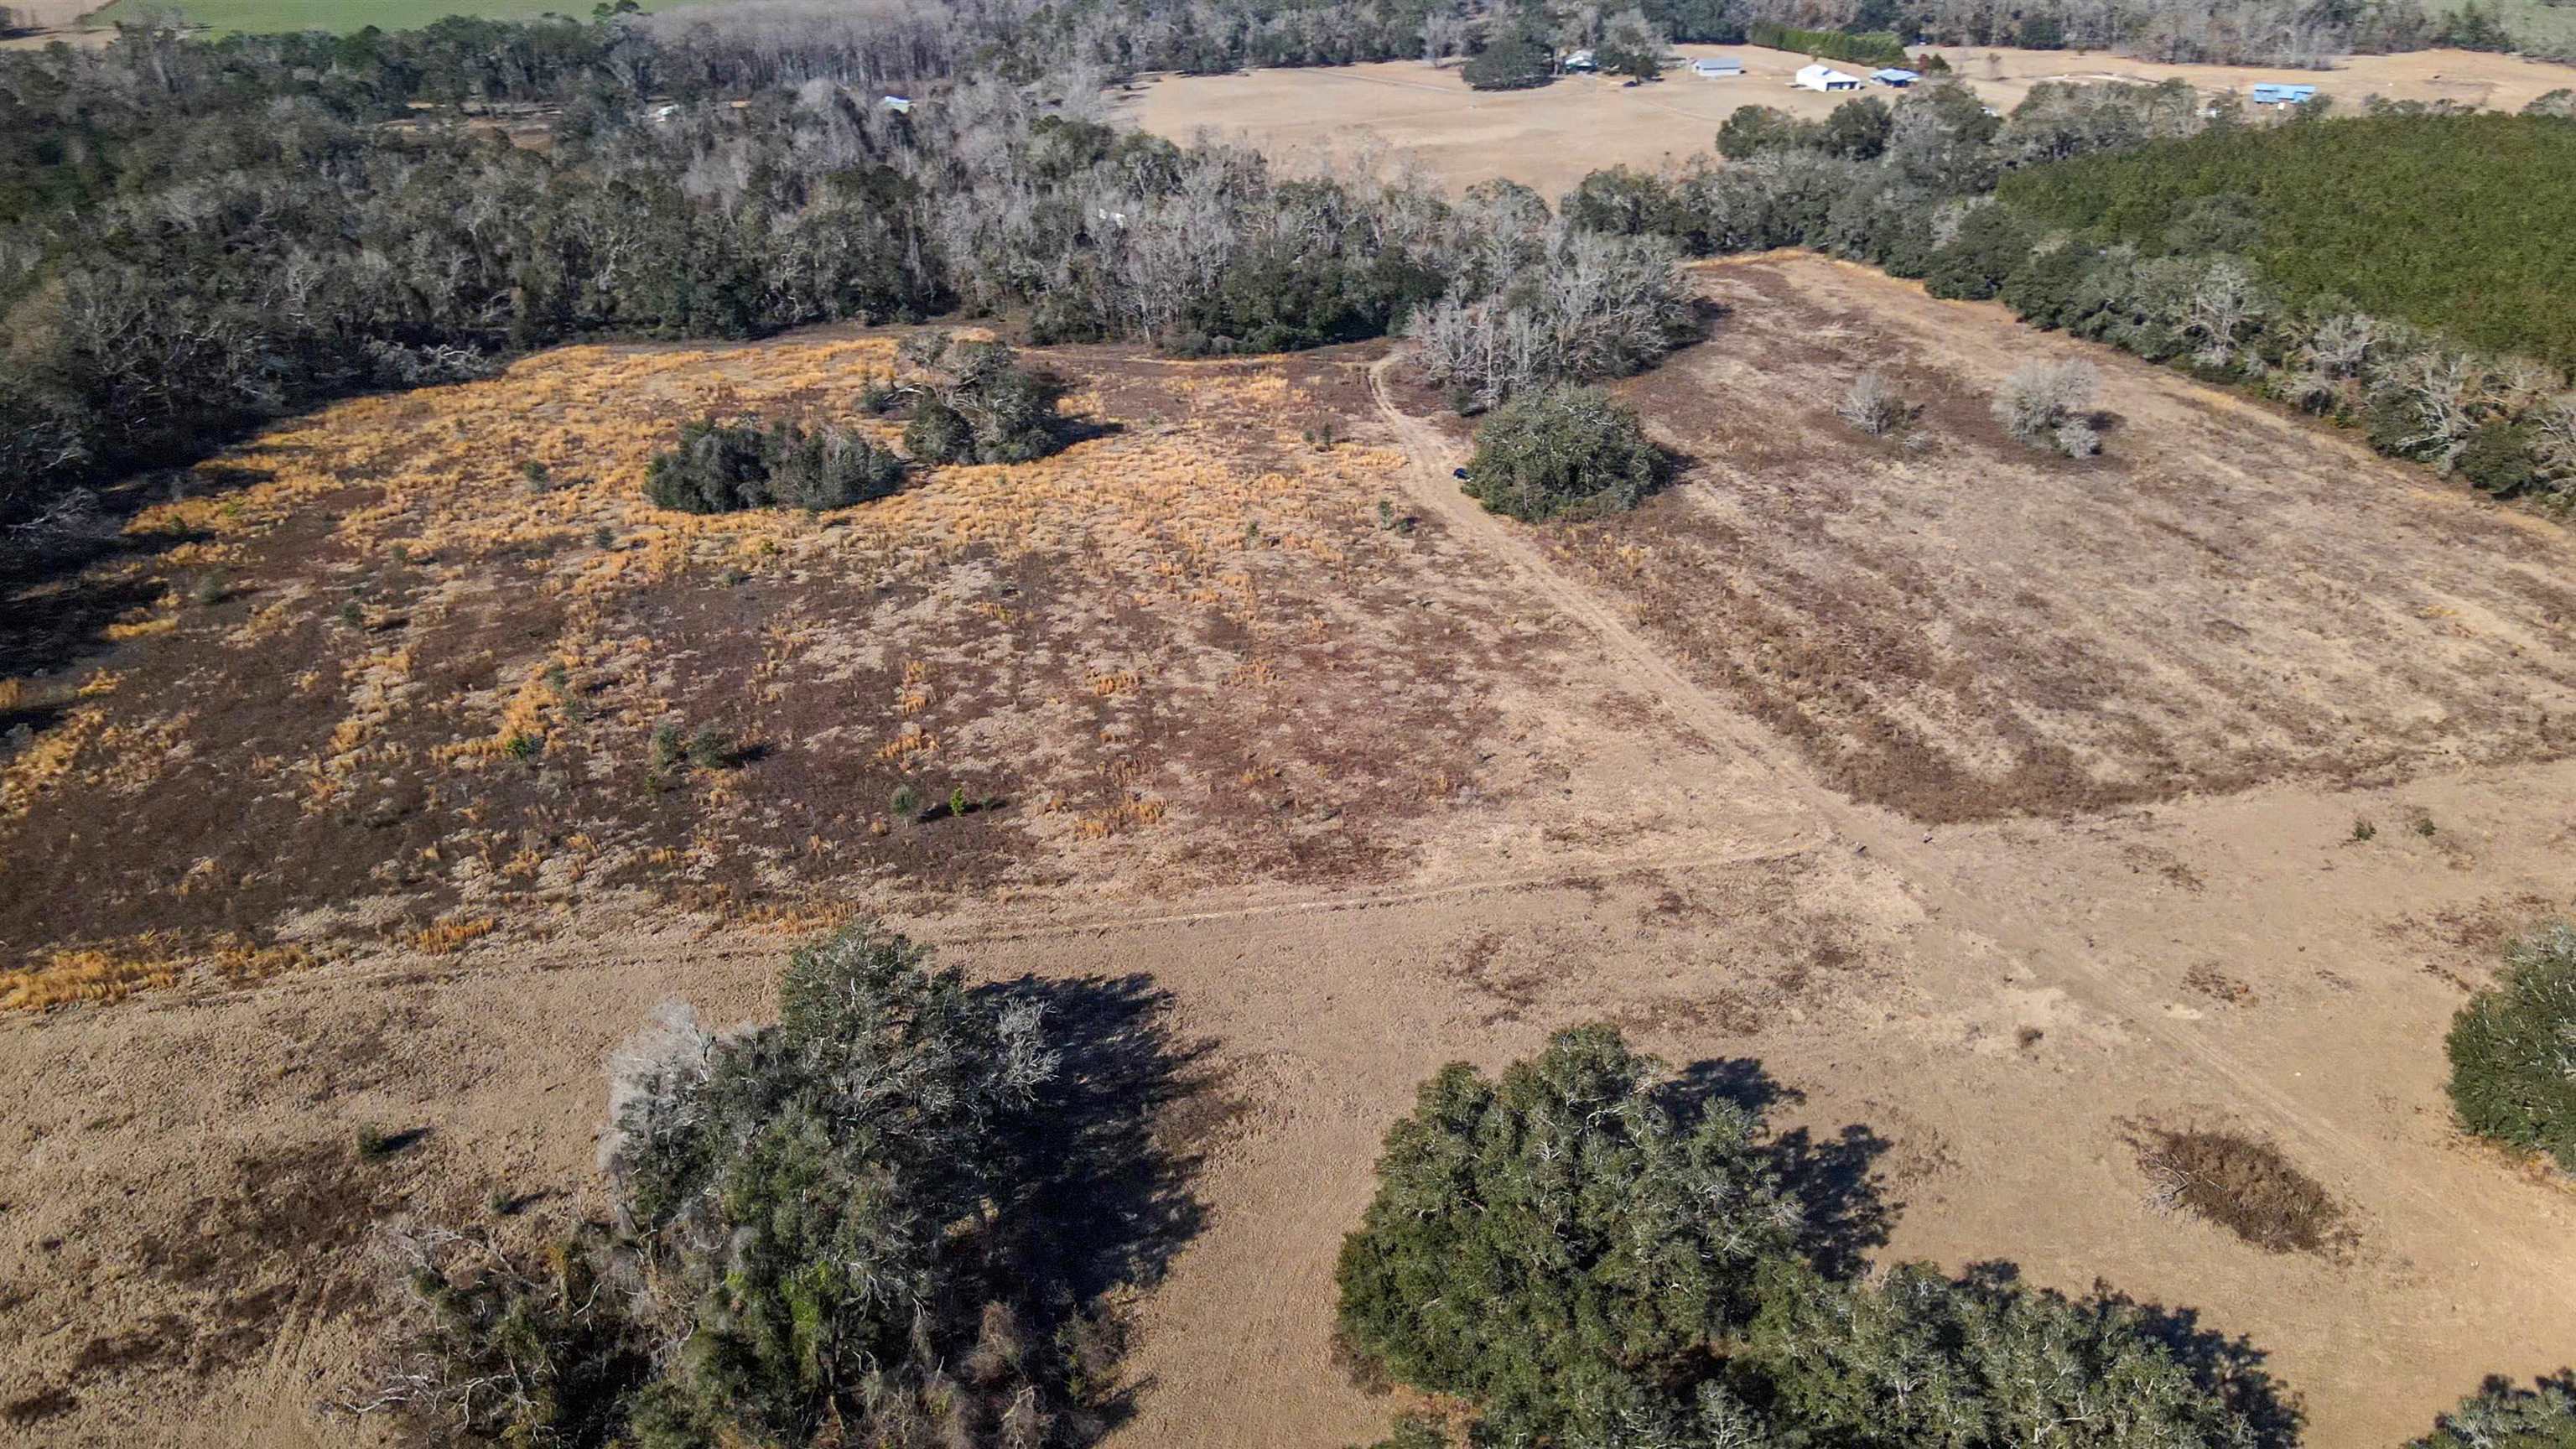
x=721, y=467
x=1872, y=406
x=2040, y=398
x=2513, y=1049
x=2077, y=439
x=1560, y=451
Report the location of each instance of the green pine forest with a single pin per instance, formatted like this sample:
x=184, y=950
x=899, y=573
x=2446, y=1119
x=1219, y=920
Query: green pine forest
x=2466, y=224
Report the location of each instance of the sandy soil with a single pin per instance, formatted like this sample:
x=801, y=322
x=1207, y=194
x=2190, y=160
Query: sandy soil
x=1550, y=137
x=1977, y=1017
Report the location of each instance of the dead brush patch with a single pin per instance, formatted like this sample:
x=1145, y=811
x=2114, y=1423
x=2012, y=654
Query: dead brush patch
x=66, y=975
x=2244, y=1185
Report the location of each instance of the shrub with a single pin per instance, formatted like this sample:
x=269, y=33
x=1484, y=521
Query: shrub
x=938, y=434
x=1873, y=406
x=2042, y=397
x=2513, y=1049
x=2498, y=459
x=974, y=403
x=720, y=467
x=2501, y=1416
x=1539, y=1240
x=2245, y=1186
x=1562, y=450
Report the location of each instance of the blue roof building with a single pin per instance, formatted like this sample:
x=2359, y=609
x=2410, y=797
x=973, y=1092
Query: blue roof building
x=1895, y=76
x=2274, y=93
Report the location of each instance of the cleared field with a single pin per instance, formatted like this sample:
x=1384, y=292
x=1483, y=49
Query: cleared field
x=1519, y=785
x=1960, y=626
x=1550, y=137
x=392, y=673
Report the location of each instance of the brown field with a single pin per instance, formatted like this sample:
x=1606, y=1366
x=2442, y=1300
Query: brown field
x=1550, y=137
x=1996, y=814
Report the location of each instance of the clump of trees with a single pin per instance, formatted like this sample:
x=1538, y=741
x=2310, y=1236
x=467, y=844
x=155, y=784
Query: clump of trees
x=720, y=466
x=1548, y=1244
x=1586, y=1257
x=1865, y=47
x=1549, y=302
x=2511, y=1052
x=1560, y=451
x=972, y=402
x=1857, y=130
x=816, y=1224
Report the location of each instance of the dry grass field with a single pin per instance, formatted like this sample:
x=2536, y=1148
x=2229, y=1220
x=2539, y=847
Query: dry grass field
x=1550, y=137
x=1994, y=816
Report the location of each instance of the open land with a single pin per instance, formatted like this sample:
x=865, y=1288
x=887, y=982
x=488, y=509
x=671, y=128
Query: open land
x=1989, y=813
x=91, y=22
x=1550, y=137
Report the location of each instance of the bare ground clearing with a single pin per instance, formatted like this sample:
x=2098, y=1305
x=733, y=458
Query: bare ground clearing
x=1970, y=1024
x=1550, y=137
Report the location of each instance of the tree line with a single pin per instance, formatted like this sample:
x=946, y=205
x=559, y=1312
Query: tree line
x=201, y=236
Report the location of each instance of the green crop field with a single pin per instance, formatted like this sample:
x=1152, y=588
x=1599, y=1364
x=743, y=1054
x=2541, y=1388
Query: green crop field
x=222, y=16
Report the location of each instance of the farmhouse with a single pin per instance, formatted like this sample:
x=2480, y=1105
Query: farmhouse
x=1896, y=76
x=1717, y=66
x=2271, y=93
x=1825, y=78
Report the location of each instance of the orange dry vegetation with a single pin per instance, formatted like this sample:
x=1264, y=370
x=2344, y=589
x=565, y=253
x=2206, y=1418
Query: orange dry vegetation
x=444, y=686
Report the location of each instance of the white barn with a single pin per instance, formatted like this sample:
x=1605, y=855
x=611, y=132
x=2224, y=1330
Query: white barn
x=1717, y=65
x=1825, y=78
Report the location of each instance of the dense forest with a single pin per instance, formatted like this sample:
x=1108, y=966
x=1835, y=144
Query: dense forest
x=2463, y=223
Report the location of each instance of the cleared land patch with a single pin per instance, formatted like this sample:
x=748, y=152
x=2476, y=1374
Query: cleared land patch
x=395, y=672
x=1958, y=1030
x=1961, y=627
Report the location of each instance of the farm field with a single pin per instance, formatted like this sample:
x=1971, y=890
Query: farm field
x=1987, y=813
x=1550, y=137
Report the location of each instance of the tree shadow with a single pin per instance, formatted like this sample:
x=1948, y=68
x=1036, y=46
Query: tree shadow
x=2229, y=1366
x=54, y=605
x=1108, y=1156
x=1836, y=1180
x=1848, y=1212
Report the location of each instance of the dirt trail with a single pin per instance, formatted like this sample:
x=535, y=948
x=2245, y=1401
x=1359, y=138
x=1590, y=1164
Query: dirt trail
x=1959, y=914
